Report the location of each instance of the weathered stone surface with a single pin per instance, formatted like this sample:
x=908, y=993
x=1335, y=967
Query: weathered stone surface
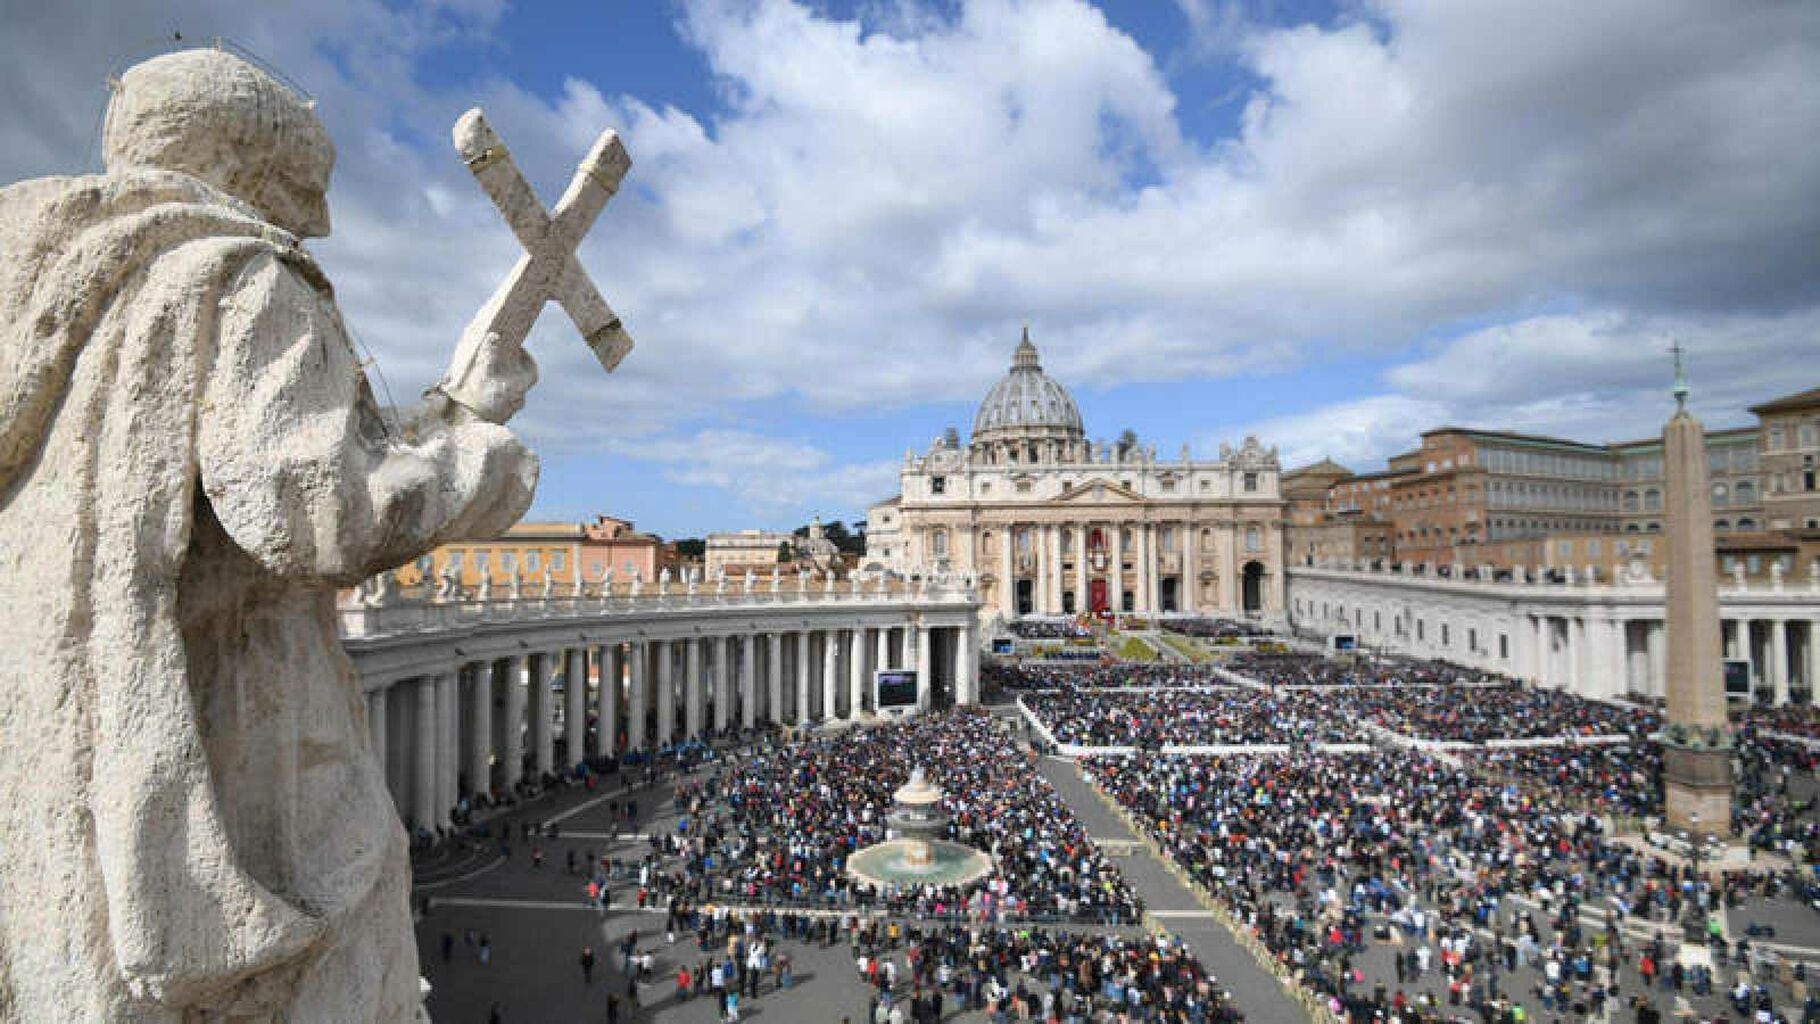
x=192, y=826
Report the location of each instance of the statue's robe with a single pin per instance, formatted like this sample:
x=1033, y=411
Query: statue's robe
x=192, y=823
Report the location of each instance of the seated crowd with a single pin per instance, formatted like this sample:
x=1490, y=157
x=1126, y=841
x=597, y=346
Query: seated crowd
x=1497, y=712
x=1187, y=718
x=1214, y=629
x=1037, y=676
x=1047, y=629
x=1320, y=670
x=1320, y=854
x=779, y=824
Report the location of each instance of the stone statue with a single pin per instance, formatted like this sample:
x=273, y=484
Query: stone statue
x=191, y=463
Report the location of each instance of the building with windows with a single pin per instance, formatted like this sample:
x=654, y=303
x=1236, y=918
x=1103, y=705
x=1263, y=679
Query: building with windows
x=555, y=551
x=1052, y=523
x=1508, y=500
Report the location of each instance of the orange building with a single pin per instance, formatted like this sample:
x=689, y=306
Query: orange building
x=534, y=551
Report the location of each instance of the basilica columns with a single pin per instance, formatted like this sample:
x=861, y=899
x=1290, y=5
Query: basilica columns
x=1188, y=581
x=1115, y=573
x=830, y=673
x=856, y=672
x=1052, y=553
x=1007, y=590
x=1082, y=600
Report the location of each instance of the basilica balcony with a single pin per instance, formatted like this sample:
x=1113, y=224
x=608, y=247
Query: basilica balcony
x=1169, y=563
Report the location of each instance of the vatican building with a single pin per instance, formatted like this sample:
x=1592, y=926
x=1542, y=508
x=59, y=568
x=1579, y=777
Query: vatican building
x=1051, y=523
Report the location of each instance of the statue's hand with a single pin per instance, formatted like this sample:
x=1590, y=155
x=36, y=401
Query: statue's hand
x=493, y=388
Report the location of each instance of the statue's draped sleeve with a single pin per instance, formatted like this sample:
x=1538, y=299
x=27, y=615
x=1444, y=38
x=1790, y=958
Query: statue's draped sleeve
x=299, y=467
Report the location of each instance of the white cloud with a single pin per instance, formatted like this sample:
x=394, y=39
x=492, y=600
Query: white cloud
x=769, y=474
x=1353, y=433
x=878, y=204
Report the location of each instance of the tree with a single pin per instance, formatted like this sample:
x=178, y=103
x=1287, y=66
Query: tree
x=690, y=547
x=1128, y=441
x=785, y=553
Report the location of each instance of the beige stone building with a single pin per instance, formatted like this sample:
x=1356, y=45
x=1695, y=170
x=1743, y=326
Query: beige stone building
x=735, y=552
x=1790, y=453
x=1055, y=524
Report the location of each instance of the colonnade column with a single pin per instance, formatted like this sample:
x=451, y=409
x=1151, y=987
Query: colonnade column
x=425, y=731
x=480, y=746
x=830, y=673
x=882, y=656
x=748, y=681
x=694, y=698
x=637, y=702
x=856, y=673
x=925, y=668
x=543, y=757
x=606, y=700
x=802, y=678
x=512, y=747
x=723, y=689
x=666, y=693
x=774, y=677
x=575, y=707
x=448, y=763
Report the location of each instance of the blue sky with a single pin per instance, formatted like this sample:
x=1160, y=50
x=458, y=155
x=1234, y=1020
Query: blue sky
x=1332, y=225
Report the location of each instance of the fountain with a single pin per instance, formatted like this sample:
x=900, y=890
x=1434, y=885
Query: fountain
x=917, y=855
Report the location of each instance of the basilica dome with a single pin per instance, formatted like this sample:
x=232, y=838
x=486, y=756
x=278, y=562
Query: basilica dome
x=1027, y=404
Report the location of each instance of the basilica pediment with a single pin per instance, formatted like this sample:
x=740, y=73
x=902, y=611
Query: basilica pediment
x=1100, y=491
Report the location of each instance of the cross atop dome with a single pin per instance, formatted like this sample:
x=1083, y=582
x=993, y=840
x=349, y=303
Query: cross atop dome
x=1025, y=356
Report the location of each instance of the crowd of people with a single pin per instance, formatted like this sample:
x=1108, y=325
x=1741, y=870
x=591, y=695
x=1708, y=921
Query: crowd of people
x=1042, y=975
x=1298, y=669
x=777, y=825
x=1040, y=676
x=1221, y=716
x=1334, y=860
x=1623, y=778
x=1214, y=629
x=1048, y=629
x=1510, y=711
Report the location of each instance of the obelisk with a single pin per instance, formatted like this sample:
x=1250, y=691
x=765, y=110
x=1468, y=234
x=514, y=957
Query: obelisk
x=1696, y=745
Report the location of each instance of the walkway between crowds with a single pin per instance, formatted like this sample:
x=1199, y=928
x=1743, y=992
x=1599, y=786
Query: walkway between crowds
x=1258, y=995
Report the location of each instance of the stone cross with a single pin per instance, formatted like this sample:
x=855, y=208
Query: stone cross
x=548, y=270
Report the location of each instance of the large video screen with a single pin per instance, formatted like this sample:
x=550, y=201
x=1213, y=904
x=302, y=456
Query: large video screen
x=1737, y=679
x=895, y=688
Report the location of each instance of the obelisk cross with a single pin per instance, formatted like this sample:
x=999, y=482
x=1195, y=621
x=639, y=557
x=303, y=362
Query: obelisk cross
x=548, y=269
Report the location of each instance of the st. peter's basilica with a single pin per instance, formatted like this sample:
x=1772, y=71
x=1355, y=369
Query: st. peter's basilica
x=1055, y=524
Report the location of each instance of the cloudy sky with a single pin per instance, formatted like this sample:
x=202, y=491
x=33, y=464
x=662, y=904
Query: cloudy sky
x=1333, y=225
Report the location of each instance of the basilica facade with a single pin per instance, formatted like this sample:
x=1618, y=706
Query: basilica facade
x=1054, y=524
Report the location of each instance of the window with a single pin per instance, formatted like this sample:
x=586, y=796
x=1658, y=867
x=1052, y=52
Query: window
x=1721, y=496
x=1747, y=523
x=508, y=561
x=457, y=561
x=938, y=485
x=1504, y=646
x=1652, y=500
x=938, y=543
x=1251, y=483
x=1254, y=540
x=1022, y=487
x=481, y=560
x=1754, y=564
x=557, y=561
x=1168, y=486
x=1775, y=439
x=1722, y=525
x=985, y=487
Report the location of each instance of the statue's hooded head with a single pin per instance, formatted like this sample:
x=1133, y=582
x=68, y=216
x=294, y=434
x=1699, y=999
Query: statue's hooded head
x=217, y=117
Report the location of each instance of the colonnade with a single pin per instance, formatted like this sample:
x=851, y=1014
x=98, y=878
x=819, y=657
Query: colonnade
x=484, y=721
x=1597, y=640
